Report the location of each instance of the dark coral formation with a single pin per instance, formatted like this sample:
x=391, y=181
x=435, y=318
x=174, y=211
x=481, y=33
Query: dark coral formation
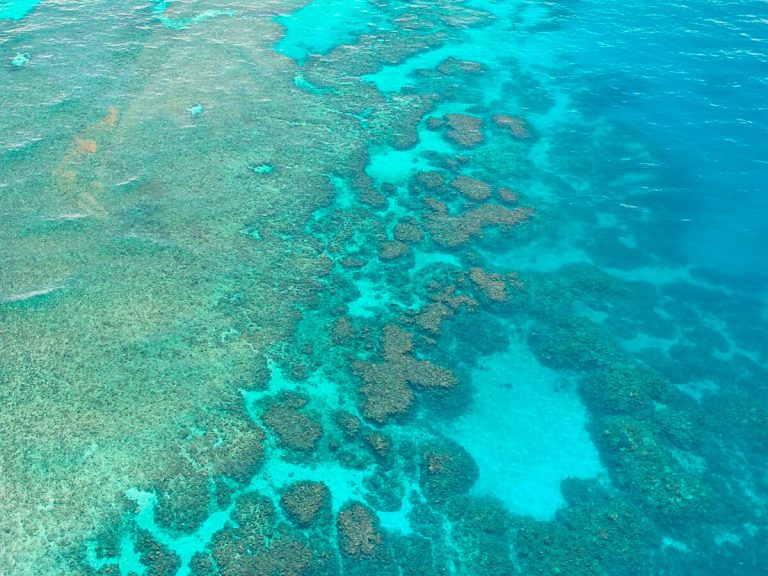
x=158, y=558
x=464, y=130
x=472, y=188
x=446, y=299
x=447, y=470
x=507, y=195
x=386, y=385
x=408, y=231
x=516, y=126
x=305, y=502
x=493, y=285
x=293, y=428
x=598, y=533
x=359, y=532
x=450, y=231
x=349, y=424
x=392, y=250
x=452, y=66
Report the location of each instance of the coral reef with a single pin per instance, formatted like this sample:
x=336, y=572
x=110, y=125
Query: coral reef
x=183, y=501
x=452, y=66
x=516, y=126
x=482, y=531
x=305, y=502
x=359, y=532
x=277, y=217
x=293, y=428
x=472, y=188
x=492, y=284
x=408, y=231
x=392, y=250
x=349, y=424
x=641, y=464
x=159, y=560
x=385, y=390
x=464, y=130
x=447, y=470
x=451, y=231
x=598, y=533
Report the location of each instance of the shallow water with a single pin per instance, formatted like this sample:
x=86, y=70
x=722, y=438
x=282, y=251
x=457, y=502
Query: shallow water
x=381, y=287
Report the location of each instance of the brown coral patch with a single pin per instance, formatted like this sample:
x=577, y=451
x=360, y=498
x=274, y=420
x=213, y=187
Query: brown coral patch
x=471, y=188
x=349, y=424
x=343, y=331
x=392, y=250
x=304, y=501
x=385, y=388
x=359, y=532
x=493, y=284
x=464, y=130
x=380, y=444
x=350, y=262
x=507, y=195
x=516, y=126
x=408, y=231
x=431, y=318
x=435, y=123
x=447, y=230
x=386, y=393
x=294, y=429
x=452, y=66
x=432, y=181
x=447, y=470
x=444, y=305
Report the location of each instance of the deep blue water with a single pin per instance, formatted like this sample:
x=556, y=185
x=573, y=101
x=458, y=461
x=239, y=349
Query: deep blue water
x=689, y=80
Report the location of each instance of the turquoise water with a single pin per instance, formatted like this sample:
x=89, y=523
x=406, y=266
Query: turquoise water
x=16, y=9
x=381, y=287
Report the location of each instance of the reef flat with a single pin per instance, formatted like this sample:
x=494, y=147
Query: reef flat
x=368, y=287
